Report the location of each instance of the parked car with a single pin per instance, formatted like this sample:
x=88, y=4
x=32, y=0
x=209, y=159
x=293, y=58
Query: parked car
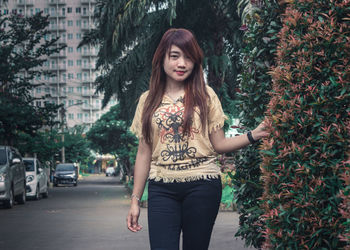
x=65, y=173
x=12, y=177
x=110, y=171
x=36, y=179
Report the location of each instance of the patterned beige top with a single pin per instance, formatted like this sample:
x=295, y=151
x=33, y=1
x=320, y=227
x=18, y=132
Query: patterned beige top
x=175, y=156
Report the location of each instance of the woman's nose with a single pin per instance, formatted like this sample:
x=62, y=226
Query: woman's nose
x=181, y=62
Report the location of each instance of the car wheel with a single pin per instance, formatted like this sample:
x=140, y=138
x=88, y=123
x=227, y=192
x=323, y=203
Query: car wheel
x=46, y=194
x=21, y=199
x=9, y=203
x=37, y=193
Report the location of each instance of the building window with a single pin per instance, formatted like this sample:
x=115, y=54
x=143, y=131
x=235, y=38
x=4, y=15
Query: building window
x=38, y=103
x=80, y=116
x=6, y=12
x=84, y=11
x=70, y=102
x=79, y=62
x=64, y=103
x=37, y=10
x=78, y=36
x=79, y=89
x=70, y=36
x=38, y=90
x=78, y=10
x=70, y=63
x=70, y=76
x=70, y=89
x=20, y=11
x=85, y=24
x=47, y=90
x=86, y=105
x=78, y=23
x=14, y=11
x=46, y=10
x=86, y=76
x=79, y=50
x=70, y=49
x=63, y=11
x=70, y=116
x=69, y=10
x=79, y=77
x=70, y=23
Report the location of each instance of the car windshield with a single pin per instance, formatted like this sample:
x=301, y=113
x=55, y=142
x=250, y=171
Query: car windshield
x=65, y=168
x=3, y=159
x=29, y=165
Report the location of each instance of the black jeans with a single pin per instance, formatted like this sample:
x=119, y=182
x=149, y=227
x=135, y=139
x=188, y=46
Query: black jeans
x=190, y=207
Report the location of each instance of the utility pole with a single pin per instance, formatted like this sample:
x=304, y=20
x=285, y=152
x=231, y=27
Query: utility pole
x=63, y=114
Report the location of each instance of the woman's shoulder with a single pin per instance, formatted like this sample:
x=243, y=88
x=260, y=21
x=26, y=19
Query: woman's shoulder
x=143, y=96
x=211, y=92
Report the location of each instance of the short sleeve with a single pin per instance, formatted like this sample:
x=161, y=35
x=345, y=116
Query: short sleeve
x=136, y=126
x=216, y=116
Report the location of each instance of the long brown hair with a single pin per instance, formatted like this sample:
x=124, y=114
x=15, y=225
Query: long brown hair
x=195, y=91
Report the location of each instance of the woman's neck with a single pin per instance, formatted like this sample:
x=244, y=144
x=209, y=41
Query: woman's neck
x=174, y=87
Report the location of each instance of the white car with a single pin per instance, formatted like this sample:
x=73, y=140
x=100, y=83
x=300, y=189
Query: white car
x=110, y=171
x=37, y=179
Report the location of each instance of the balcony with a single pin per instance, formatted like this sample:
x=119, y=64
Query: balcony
x=89, y=53
x=61, y=54
x=86, y=14
x=87, y=1
x=57, y=2
x=62, y=67
x=87, y=67
x=55, y=15
x=88, y=108
x=63, y=81
x=62, y=40
x=88, y=93
x=60, y=27
x=25, y=2
x=61, y=95
x=88, y=80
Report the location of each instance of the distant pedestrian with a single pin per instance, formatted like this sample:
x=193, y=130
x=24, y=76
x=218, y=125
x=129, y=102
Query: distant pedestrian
x=179, y=124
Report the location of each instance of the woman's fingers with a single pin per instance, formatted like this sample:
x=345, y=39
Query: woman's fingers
x=132, y=223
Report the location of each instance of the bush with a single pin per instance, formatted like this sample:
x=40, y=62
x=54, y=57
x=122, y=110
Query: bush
x=306, y=160
x=260, y=42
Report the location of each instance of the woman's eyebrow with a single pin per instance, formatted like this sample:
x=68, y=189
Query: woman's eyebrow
x=174, y=52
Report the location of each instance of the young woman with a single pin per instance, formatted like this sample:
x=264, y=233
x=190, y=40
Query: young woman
x=179, y=124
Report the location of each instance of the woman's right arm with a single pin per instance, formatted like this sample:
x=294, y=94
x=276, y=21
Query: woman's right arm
x=141, y=171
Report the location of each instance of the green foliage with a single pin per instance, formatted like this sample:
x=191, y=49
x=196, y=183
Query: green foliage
x=22, y=49
x=306, y=160
x=76, y=145
x=260, y=42
x=45, y=144
x=110, y=135
x=128, y=32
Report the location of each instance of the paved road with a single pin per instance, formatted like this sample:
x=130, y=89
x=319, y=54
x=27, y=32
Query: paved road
x=90, y=216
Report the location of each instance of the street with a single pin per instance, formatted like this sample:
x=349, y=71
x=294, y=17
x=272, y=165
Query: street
x=90, y=216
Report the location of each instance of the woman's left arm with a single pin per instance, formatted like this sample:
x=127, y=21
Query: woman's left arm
x=221, y=144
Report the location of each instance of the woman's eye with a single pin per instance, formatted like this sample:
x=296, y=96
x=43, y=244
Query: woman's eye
x=174, y=56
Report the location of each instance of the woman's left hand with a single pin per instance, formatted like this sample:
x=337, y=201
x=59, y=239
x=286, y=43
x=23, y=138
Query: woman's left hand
x=260, y=132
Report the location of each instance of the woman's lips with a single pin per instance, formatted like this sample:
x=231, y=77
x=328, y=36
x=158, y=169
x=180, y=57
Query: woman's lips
x=180, y=73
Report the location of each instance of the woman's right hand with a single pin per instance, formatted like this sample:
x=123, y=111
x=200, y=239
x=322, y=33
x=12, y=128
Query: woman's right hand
x=133, y=218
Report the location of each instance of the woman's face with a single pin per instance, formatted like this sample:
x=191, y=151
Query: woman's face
x=177, y=65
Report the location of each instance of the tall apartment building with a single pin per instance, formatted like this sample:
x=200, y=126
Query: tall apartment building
x=73, y=68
